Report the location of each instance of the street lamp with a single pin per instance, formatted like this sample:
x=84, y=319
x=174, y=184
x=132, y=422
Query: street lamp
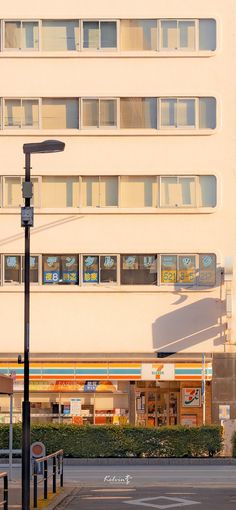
x=27, y=219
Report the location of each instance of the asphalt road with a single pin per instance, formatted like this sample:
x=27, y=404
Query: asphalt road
x=101, y=498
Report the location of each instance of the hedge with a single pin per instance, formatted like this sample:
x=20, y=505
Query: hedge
x=112, y=441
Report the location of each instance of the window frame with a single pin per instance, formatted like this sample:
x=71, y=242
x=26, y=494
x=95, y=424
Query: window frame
x=99, y=21
x=179, y=20
x=177, y=126
x=21, y=99
x=154, y=284
x=178, y=178
x=22, y=178
x=99, y=99
x=61, y=283
x=21, y=269
x=45, y=52
x=21, y=21
x=98, y=283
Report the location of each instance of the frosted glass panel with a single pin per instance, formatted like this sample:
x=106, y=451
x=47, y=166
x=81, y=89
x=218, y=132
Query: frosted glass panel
x=30, y=36
x=91, y=34
x=187, y=190
x=207, y=113
x=90, y=192
x=108, y=34
x=186, y=112
x=60, y=35
x=12, y=117
x=108, y=191
x=207, y=34
x=108, y=113
x=60, y=192
x=138, y=113
x=186, y=34
x=30, y=113
x=207, y=185
x=138, y=34
x=169, y=112
x=13, y=34
x=138, y=191
x=60, y=113
x=169, y=35
x=90, y=113
x=12, y=192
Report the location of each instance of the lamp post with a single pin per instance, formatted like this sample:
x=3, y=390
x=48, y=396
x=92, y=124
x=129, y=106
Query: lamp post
x=27, y=222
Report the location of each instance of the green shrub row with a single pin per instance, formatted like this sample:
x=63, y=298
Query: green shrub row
x=112, y=441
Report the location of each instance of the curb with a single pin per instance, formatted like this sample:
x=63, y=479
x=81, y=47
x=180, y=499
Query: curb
x=60, y=500
x=218, y=461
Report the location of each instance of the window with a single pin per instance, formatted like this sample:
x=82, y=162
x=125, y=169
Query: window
x=60, y=269
x=21, y=113
x=14, y=269
x=99, y=35
x=99, y=113
x=207, y=184
x=21, y=35
x=207, y=113
x=178, y=269
x=178, y=34
x=138, y=113
x=138, y=269
x=12, y=191
x=178, y=191
x=60, y=35
x=60, y=113
x=207, y=269
x=178, y=113
x=207, y=34
x=99, y=191
x=99, y=268
x=138, y=34
x=60, y=192
x=138, y=191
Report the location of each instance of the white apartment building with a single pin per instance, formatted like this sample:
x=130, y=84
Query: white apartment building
x=133, y=242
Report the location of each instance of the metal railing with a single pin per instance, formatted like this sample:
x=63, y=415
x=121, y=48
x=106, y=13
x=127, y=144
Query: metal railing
x=4, y=501
x=57, y=469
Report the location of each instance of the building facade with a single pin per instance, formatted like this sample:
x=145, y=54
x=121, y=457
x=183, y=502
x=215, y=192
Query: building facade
x=133, y=242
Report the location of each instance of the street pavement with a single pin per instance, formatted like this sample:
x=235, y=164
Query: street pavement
x=136, y=487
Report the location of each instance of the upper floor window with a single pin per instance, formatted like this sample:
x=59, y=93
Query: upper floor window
x=138, y=269
x=99, y=113
x=99, y=35
x=188, y=113
x=21, y=35
x=60, y=113
x=21, y=113
x=14, y=269
x=157, y=35
x=138, y=112
x=188, y=269
x=62, y=269
x=99, y=268
x=60, y=35
x=138, y=34
x=125, y=191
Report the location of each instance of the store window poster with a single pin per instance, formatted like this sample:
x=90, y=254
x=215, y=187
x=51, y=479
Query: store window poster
x=191, y=397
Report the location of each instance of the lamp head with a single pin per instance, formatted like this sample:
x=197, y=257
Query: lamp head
x=43, y=147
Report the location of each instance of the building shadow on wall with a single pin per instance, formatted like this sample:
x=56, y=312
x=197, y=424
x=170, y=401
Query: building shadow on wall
x=190, y=325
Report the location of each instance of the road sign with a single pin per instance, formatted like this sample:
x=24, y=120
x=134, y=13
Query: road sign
x=162, y=502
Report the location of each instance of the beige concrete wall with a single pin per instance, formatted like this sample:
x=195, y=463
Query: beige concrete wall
x=123, y=319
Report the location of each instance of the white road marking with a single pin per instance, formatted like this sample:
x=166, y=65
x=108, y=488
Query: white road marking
x=112, y=490
x=178, y=502
x=105, y=497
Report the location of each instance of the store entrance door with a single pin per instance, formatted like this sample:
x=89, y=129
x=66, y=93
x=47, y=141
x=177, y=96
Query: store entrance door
x=156, y=407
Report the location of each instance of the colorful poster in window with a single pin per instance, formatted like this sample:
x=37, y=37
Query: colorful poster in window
x=130, y=262
x=90, y=386
x=187, y=269
x=191, y=397
x=207, y=269
x=70, y=269
x=13, y=262
x=51, y=269
x=90, y=269
x=168, y=268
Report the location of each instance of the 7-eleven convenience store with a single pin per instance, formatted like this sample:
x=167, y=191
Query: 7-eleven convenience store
x=147, y=394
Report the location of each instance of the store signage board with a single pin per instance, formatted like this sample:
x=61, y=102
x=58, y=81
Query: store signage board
x=75, y=406
x=191, y=397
